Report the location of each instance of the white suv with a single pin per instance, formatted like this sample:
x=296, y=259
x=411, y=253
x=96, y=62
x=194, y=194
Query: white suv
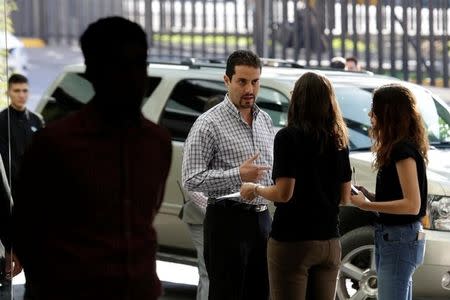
x=176, y=98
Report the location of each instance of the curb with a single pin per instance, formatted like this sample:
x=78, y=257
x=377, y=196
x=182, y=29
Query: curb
x=33, y=42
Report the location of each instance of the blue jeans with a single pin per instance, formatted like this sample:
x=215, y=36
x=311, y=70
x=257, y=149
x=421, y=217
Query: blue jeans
x=398, y=253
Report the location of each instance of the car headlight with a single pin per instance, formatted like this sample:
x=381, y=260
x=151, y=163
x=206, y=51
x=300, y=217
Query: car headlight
x=438, y=213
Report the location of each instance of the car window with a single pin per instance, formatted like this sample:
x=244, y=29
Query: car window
x=190, y=98
x=355, y=105
x=440, y=134
x=72, y=92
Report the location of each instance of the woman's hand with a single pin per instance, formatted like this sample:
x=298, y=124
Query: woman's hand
x=369, y=195
x=359, y=200
x=248, y=191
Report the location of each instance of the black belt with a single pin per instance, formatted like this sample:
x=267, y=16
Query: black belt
x=228, y=203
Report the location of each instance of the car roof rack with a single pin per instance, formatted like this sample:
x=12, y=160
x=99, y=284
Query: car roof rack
x=193, y=63
x=197, y=63
x=281, y=63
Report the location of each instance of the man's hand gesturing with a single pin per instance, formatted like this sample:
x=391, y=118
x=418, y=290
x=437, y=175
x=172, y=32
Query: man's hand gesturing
x=251, y=172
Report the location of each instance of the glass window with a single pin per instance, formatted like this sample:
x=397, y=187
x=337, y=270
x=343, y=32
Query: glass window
x=355, y=105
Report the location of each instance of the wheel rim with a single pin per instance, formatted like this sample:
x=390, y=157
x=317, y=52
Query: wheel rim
x=358, y=277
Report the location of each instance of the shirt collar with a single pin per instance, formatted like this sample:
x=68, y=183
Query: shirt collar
x=235, y=112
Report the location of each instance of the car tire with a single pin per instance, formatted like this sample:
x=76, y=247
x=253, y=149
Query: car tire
x=357, y=277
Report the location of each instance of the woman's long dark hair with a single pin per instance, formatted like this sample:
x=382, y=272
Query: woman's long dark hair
x=314, y=109
x=397, y=119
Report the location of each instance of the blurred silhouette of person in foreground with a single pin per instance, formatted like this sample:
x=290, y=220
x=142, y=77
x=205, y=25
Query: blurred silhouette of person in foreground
x=84, y=226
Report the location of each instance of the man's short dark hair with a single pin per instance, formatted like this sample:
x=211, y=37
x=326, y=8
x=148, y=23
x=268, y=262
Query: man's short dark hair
x=102, y=36
x=17, y=78
x=242, y=58
x=353, y=59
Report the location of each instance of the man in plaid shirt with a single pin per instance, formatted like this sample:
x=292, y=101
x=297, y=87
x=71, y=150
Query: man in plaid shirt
x=230, y=144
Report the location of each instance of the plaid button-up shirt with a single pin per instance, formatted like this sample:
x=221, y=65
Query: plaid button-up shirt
x=219, y=142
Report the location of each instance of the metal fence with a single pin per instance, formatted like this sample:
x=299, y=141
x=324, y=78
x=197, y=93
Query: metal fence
x=406, y=38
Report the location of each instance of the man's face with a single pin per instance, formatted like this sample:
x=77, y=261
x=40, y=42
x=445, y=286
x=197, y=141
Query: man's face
x=350, y=65
x=243, y=87
x=18, y=93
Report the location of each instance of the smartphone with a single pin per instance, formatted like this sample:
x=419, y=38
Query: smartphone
x=355, y=191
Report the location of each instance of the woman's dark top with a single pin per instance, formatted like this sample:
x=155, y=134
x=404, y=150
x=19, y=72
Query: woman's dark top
x=388, y=184
x=312, y=212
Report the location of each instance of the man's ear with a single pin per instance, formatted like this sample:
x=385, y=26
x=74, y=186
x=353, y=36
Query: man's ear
x=226, y=80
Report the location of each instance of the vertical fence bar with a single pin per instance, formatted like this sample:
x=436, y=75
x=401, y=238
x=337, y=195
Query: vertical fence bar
x=249, y=43
x=296, y=31
x=204, y=28
x=380, y=36
x=405, y=40
x=27, y=17
x=36, y=20
x=236, y=24
x=182, y=28
x=225, y=29
x=195, y=24
x=215, y=28
x=367, y=34
x=44, y=20
x=307, y=33
x=161, y=26
x=273, y=27
x=431, y=41
x=355, y=31
x=445, y=42
x=148, y=22
x=284, y=37
x=392, y=39
x=344, y=26
x=331, y=25
x=320, y=24
x=419, y=42
x=171, y=25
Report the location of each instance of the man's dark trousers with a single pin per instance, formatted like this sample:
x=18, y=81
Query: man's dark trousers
x=235, y=242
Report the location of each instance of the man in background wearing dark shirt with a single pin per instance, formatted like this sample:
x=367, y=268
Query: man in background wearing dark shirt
x=17, y=125
x=84, y=226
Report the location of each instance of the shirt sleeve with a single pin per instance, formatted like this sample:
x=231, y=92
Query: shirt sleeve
x=199, y=150
x=346, y=171
x=402, y=151
x=284, y=155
